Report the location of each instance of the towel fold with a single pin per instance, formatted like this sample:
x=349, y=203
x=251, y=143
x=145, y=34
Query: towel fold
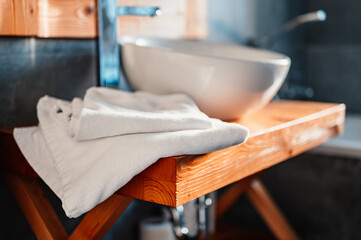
x=108, y=112
x=85, y=173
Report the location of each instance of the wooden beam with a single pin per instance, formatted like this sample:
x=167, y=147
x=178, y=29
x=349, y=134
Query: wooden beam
x=18, y=17
x=66, y=18
x=196, y=26
x=278, y=132
x=232, y=193
x=156, y=183
x=36, y=207
x=101, y=218
x=78, y=18
x=7, y=19
x=269, y=211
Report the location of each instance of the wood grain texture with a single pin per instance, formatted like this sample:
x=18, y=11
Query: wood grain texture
x=270, y=213
x=18, y=17
x=66, y=18
x=78, y=18
x=36, y=207
x=156, y=183
x=101, y=218
x=7, y=19
x=279, y=131
x=196, y=26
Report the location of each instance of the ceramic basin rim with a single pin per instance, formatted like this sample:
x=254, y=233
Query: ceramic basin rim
x=281, y=60
x=272, y=65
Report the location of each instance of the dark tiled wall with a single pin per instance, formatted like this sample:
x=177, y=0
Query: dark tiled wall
x=319, y=195
x=342, y=25
x=31, y=68
x=334, y=72
x=64, y=68
x=333, y=53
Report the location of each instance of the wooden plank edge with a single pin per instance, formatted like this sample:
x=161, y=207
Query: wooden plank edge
x=335, y=109
x=101, y=218
x=183, y=194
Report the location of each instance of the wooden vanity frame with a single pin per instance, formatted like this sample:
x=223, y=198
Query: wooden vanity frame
x=280, y=131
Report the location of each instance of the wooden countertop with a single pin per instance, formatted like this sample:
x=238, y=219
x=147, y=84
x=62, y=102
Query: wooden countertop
x=280, y=131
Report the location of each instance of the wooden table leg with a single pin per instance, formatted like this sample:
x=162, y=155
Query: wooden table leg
x=262, y=201
x=46, y=225
x=101, y=218
x=44, y=221
x=270, y=213
x=232, y=193
x=35, y=206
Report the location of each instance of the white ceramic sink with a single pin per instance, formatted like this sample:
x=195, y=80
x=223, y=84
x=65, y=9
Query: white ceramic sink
x=225, y=81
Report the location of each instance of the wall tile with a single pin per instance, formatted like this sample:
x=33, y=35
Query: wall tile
x=334, y=72
x=31, y=68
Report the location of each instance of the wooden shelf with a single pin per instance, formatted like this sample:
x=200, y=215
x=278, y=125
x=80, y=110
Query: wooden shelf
x=278, y=132
x=77, y=18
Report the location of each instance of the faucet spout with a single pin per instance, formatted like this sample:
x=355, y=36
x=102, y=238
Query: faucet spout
x=268, y=40
x=138, y=11
x=317, y=16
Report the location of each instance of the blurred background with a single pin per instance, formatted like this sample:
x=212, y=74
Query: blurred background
x=319, y=191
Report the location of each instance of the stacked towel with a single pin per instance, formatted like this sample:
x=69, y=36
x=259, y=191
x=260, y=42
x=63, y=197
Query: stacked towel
x=87, y=149
x=115, y=112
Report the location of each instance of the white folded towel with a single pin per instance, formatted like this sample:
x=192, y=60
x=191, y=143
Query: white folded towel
x=109, y=112
x=85, y=173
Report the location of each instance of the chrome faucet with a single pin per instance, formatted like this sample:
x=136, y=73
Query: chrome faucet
x=110, y=72
x=268, y=40
x=317, y=16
